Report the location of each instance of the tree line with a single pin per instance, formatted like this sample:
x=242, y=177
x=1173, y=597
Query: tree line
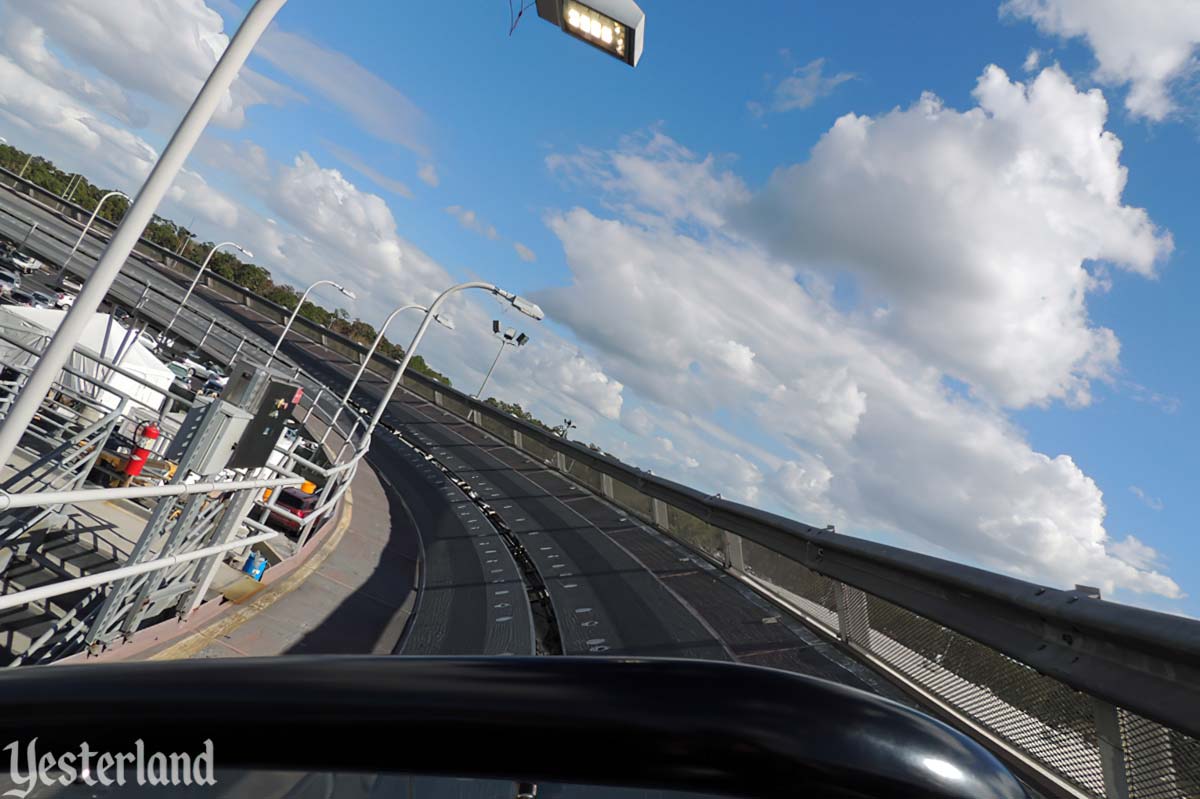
x=178, y=239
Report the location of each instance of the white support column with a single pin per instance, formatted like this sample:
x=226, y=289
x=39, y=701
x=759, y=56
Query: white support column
x=854, y=620
x=735, y=560
x=606, y=485
x=1112, y=756
x=560, y=461
x=518, y=439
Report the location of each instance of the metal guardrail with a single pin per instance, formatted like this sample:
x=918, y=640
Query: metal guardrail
x=1098, y=698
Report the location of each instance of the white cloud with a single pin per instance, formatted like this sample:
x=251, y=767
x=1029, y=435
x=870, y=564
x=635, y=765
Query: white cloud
x=428, y=175
x=981, y=227
x=356, y=162
x=524, y=253
x=161, y=49
x=701, y=322
x=800, y=89
x=1147, y=45
x=1032, y=60
x=665, y=176
x=471, y=221
x=1153, y=503
x=375, y=104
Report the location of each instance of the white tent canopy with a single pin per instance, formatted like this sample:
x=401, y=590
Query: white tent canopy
x=103, y=337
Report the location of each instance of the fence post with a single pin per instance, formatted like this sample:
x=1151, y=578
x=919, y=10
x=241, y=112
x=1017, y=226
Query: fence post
x=658, y=510
x=854, y=620
x=735, y=560
x=606, y=485
x=1112, y=756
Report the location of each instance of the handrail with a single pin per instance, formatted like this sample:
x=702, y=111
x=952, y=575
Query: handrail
x=1145, y=661
x=1140, y=659
x=37, y=499
x=112, y=575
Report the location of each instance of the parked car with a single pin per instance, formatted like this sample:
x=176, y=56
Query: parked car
x=180, y=371
x=202, y=366
x=9, y=282
x=70, y=283
x=42, y=299
x=294, y=501
x=18, y=297
x=147, y=340
x=63, y=300
x=26, y=262
x=213, y=386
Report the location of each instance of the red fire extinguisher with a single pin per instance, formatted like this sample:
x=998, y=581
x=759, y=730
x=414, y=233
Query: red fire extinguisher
x=146, y=435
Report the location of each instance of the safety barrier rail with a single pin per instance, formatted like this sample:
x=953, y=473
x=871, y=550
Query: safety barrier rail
x=1091, y=697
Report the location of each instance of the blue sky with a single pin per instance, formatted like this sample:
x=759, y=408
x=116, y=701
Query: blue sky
x=607, y=173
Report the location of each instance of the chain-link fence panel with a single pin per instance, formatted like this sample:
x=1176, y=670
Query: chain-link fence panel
x=1039, y=715
x=455, y=404
x=696, y=532
x=1160, y=763
x=538, y=450
x=632, y=500
x=497, y=428
x=419, y=387
x=585, y=474
x=813, y=593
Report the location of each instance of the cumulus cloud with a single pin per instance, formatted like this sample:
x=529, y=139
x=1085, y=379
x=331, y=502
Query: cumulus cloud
x=1147, y=46
x=706, y=316
x=982, y=226
x=662, y=174
x=164, y=50
x=801, y=88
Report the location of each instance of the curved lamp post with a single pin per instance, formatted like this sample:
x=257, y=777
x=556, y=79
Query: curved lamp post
x=523, y=305
x=83, y=234
x=300, y=305
x=442, y=320
x=196, y=279
x=29, y=399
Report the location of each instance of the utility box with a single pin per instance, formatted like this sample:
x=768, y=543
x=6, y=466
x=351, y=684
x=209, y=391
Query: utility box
x=208, y=437
x=274, y=408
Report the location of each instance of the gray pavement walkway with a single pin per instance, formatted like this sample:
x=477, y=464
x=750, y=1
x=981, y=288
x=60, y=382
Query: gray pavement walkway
x=352, y=596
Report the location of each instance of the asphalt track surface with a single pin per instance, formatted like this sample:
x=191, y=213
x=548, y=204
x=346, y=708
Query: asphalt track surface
x=617, y=586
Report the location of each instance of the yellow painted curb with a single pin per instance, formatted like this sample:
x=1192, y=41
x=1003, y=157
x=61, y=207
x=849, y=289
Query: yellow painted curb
x=197, y=641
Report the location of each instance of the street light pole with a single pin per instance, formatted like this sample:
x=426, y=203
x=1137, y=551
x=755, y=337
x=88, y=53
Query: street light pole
x=296, y=310
x=83, y=234
x=495, y=361
x=55, y=356
x=196, y=279
x=444, y=322
x=508, y=338
x=520, y=303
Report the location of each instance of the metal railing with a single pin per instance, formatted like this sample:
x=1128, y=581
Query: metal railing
x=1092, y=697
x=193, y=523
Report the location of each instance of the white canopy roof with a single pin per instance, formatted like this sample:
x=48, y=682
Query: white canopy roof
x=31, y=325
